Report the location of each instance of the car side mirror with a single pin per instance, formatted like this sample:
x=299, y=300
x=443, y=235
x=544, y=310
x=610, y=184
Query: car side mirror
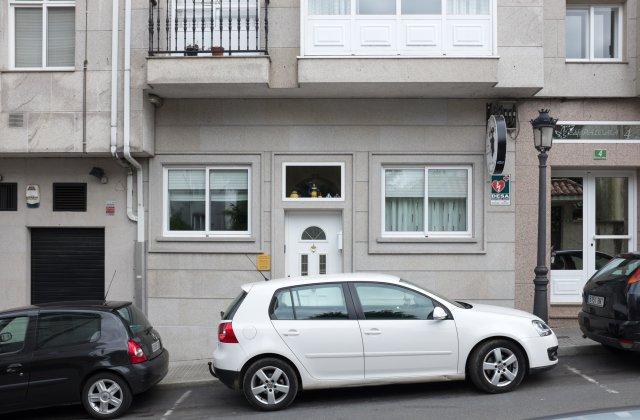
x=439, y=314
x=4, y=337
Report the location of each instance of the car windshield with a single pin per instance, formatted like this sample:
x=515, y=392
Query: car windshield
x=134, y=318
x=455, y=303
x=619, y=266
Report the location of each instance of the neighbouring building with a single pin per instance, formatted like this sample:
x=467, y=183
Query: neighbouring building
x=164, y=151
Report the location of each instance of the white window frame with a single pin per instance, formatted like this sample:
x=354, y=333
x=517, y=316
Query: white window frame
x=36, y=4
x=285, y=165
x=207, y=233
x=620, y=34
x=426, y=233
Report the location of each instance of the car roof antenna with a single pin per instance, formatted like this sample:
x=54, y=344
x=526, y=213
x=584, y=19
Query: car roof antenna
x=110, y=283
x=252, y=263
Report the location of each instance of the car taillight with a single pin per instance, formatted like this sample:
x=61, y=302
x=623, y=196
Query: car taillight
x=136, y=354
x=634, y=278
x=226, y=334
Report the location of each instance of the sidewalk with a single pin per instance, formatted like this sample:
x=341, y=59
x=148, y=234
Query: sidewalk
x=570, y=343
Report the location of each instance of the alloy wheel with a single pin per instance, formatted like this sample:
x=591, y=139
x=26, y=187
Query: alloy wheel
x=105, y=396
x=500, y=367
x=270, y=385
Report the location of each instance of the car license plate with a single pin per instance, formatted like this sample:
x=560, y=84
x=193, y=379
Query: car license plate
x=155, y=346
x=595, y=301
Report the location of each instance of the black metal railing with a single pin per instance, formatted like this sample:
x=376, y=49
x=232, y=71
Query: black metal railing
x=208, y=27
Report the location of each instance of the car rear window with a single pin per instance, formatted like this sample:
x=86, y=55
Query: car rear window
x=134, y=318
x=233, y=306
x=67, y=328
x=619, y=266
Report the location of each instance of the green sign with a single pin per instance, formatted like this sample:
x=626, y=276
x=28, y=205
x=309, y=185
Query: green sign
x=600, y=154
x=500, y=190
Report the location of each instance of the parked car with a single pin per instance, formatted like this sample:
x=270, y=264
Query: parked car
x=97, y=353
x=283, y=336
x=611, y=304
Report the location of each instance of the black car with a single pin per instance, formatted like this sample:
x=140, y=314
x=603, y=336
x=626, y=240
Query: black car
x=97, y=353
x=611, y=304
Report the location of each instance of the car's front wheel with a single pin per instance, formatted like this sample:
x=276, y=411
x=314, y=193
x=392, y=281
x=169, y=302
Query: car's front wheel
x=106, y=396
x=497, y=366
x=270, y=384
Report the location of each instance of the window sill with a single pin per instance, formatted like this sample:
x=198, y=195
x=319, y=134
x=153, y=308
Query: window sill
x=206, y=239
x=40, y=70
x=570, y=61
x=441, y=240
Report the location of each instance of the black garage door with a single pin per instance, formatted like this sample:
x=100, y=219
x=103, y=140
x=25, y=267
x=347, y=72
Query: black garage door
x=67, y=264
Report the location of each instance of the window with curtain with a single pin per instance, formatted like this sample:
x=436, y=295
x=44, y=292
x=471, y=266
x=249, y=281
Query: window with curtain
x=202, y=201
x=43, y=33
x=439, y=196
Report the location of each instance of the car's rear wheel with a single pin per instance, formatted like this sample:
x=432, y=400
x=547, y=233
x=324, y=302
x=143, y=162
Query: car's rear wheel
x=106, y=396
x=270, y=384
x=497, y=366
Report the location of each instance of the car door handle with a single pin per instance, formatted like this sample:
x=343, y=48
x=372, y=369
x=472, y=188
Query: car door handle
x=15, y=368
x=373, y=331
x=291, y=333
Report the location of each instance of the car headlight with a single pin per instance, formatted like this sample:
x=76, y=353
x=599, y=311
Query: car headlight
x=542, y=328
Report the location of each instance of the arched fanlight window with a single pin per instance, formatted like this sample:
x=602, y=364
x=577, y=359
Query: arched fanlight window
x=313, y=233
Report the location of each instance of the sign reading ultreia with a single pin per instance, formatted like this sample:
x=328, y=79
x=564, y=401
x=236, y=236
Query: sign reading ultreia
x=596, y=132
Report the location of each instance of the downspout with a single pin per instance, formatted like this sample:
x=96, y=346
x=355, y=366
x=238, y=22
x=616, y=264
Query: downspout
x=114, y=77
x=140, y=287
x=84, y=80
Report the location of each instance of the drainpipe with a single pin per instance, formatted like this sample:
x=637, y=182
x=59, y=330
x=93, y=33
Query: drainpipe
x=84, y=79
x=114, y=78
x=140, y=286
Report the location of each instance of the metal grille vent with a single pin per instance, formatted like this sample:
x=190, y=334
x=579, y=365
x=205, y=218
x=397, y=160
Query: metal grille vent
x=69, y=196
x=8, y=196
x=16, y=119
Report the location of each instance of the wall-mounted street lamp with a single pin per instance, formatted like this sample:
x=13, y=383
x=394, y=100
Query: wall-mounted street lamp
x=543, y=127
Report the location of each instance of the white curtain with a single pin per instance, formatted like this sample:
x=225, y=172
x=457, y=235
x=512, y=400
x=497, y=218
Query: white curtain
x=28, y=37
x=329, y=7
x=404, y=200
x=61, y=36
x=448, y=190
x=468, y=7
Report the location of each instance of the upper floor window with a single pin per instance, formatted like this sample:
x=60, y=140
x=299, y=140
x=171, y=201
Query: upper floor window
x=399, y=27
x=207, y=201
x=427, y=201
x=42, y=34
x=593, y=33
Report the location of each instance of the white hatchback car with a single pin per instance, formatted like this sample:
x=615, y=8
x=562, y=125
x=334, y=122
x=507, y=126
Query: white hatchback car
x=282, y=336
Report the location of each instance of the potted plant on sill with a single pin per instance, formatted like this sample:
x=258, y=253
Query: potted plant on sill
x=217, y=51
x=192, y=50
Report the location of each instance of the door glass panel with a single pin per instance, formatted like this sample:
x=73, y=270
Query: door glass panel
x=421, y=7
x=376, y=7
x=12, y=334
x=325, y=301
x=322, y=267
x=385, y=301
x=612, y=206
x=611, y=247
x=468, y=7
x=329, y=7
x=566, y=223
x=304, y=265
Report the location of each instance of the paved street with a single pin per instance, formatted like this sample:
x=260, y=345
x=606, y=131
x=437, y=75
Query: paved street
x=579, y=383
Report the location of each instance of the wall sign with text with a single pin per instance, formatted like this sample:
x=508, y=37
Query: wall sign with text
x=500, y=190
x=597, y=132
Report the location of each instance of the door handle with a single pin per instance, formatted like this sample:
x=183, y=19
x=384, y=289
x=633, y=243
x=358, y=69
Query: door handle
x=373, y=331
x=291, y=333
x=15, y=368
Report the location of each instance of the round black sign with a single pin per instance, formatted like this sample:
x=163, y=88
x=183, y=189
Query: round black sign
x=496, y=144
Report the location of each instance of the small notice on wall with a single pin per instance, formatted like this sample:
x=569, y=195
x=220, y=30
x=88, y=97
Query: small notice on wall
x=600, y=154
x=500, y=190
x=263, y=262
x=110, y=208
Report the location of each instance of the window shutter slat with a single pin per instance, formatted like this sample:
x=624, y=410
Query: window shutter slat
x=61, y=37
x=28, y=37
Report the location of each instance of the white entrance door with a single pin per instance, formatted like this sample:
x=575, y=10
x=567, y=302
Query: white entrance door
x=593, y=217
x=313, y=243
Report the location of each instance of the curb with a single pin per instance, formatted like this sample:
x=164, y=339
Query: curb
x=581, y=350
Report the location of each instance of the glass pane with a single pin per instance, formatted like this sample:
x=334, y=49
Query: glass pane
x=421, y=7
x=612, y=206
x=313, y=181
x=605, y=32
x=304, y=265
x=12, y=334
x=313, y=233
x=28, y=37
x=468, y=7
x=612, y=247
x=65, y=329
x=404, y=200
x=283, y=307
x=448, y=190
x=376, y=7
x=382, y=301
x=61, y=33
x=329, y=7
x=319, y=302
x=566, y=223
x=229, y=199
x=187, y=200
x=322, y=265
x=577, y=33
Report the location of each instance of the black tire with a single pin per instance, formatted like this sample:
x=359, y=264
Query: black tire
x=273, y=397
x=122, y=393
x=486, y=352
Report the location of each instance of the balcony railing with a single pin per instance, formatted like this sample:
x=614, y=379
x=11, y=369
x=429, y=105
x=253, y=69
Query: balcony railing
x=208, y=27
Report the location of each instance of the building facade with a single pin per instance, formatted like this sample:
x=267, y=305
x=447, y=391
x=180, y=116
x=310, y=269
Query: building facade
x=210, y=139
